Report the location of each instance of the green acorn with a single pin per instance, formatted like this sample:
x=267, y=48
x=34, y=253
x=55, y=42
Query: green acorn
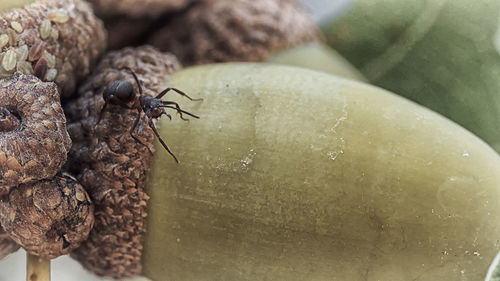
x=293, y=174
x=317, y=56
x=441, y=54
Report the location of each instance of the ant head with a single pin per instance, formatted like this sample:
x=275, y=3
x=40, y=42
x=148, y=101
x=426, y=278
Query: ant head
x=121, y=90
x=152, y=106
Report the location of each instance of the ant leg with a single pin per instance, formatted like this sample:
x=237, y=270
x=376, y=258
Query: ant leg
x=160, y=95
x=104, y=108
x=135, y=77
x=141, y=126
x=102, y=111
x=136, y=121
x=179, y=110
x=152, y=126
x=177, y=107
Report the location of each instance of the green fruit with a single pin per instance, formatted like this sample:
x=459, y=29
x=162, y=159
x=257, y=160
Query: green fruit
x=443, y=54
x=292, y=174
x=317, y=56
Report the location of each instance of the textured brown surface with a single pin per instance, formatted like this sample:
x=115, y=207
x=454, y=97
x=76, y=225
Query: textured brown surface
x=111, y=164
x=137, y=8
x=48, y=218
x=65, y=33
x=7, y=245
x=125, y=32
x=37, y=147
x=234, y=30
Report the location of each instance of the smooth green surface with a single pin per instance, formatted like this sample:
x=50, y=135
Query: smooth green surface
x=443, y=54
x=317, y=56
x=293, y=174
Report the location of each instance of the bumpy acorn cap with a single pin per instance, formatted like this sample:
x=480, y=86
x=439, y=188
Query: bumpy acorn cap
x=234, y=30
x=7, y=245
x=111, y=164
x=48, y=218
x=137, y=8
x=33, y=139
x=56, y=40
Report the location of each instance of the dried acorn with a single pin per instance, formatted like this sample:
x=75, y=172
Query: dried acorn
x=111, y=164
x=48, y=218
x=227, y=30
x=57, y=40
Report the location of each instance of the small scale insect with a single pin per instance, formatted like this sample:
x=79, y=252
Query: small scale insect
x=122, y=93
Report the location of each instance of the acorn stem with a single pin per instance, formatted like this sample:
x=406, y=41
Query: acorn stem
x=37, y=268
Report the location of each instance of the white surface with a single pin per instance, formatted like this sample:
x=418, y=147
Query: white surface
x=13, y=268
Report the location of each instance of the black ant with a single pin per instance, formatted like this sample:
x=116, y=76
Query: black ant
x=121, y=92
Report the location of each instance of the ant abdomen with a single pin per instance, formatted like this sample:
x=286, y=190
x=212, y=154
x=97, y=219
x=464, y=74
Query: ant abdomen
x=121, y=90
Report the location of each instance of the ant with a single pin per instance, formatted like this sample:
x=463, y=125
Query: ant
x=121, y=92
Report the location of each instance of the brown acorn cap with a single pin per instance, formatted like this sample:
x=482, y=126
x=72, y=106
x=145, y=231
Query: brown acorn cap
x=111, y=164
x=137, y=8
x=48, y=218
x=125, y=32
x=33, y=139
x=234, y=30
x=7, y=245
x=57, y=40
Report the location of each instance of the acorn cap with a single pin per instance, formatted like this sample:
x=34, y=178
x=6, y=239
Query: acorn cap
x=7, y=245
x=111, y=164
x=241, y=30
x=48, y=218
x=137, y=8
x=57, y=40
x=34, y=143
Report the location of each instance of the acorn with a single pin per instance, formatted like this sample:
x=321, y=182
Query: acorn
x=369, y=181
x=291, y=174
x=427, y=52
x=317, y=56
